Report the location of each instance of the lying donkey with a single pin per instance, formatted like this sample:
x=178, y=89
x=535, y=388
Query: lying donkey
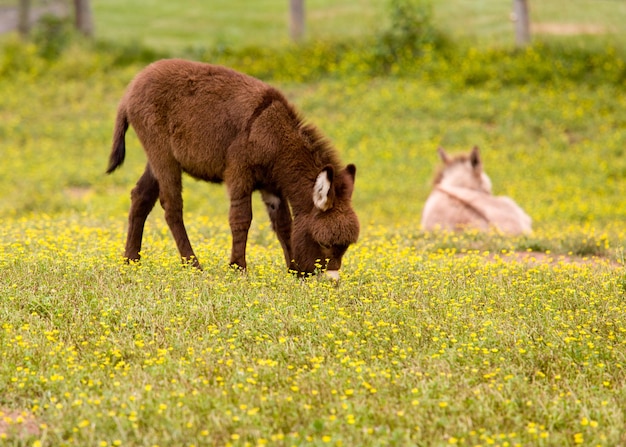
x=219, y=125
x=462, y=199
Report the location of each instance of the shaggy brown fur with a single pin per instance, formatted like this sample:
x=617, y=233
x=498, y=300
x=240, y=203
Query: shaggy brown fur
x=462, y=199
x=220, y=125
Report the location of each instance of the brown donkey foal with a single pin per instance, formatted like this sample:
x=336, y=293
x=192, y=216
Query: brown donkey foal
x=220, y=125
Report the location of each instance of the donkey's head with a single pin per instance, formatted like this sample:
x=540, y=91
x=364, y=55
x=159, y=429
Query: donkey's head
x=321, y=237
x=463, y=171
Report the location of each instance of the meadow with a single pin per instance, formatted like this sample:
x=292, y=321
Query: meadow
x=428, y=339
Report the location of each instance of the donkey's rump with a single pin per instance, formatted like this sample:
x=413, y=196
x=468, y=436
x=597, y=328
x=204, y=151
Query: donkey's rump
x=479, y=210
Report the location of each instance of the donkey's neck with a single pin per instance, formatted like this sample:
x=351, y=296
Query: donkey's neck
x=297, y=171
x=298, y=152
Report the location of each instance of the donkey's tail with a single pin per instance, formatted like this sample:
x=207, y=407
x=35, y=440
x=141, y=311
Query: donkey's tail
x=118, y=151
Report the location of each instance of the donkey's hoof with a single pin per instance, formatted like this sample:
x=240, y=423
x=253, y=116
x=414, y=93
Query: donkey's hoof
x=238, y=268
x=192, y=262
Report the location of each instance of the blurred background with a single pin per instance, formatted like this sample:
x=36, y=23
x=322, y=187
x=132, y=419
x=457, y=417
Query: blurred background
x=184, y=24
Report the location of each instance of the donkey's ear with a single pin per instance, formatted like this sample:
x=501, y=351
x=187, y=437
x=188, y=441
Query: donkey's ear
x=351, y=170
x=349, y=176
x=323, y=193
x=442, y=155
x=475, y=158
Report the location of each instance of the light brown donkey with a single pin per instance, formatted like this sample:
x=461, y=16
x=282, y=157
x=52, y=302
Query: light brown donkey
x=461, y=199
x=220, y=125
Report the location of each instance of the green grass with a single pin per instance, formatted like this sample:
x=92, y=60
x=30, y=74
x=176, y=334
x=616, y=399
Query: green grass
x=429, y=339
x=429, y=350
x=188, y=23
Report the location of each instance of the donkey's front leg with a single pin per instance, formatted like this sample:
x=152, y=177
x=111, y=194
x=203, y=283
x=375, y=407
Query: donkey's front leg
x=240, y=218
x=278, y=210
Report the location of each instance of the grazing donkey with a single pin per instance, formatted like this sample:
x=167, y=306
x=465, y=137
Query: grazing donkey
x=220, y=125
x=462, y=199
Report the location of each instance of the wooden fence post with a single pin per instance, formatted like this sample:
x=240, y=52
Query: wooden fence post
x=296, y=23
x=522, y=22
x=23, y=17
x=84, y=21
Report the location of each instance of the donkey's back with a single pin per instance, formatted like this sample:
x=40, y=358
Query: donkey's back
x=456, y=209
x=171, y=100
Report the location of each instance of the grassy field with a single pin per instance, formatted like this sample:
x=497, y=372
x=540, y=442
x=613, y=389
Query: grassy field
x=226, y=24
x=429, y=339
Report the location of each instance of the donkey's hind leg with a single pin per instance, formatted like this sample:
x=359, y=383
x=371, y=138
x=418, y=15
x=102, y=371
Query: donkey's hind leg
x=143, y=197
x=280, y=216
x=171, y=197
